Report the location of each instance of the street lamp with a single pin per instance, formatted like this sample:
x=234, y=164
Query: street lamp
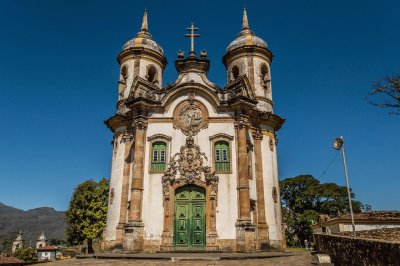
x=339, y=145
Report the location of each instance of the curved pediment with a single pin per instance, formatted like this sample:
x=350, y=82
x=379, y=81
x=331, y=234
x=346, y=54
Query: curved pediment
x=190, y=88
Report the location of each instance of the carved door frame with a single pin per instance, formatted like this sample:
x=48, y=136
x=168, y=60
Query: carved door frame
x=167, y=242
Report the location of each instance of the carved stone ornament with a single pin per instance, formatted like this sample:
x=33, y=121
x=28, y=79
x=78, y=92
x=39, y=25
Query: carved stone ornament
x=112, y=195
x=189, y=163
x=151, y=95
x=275, y=194
x=190, y=116
x=271, y=144
x=122, y=109
x=140, y=123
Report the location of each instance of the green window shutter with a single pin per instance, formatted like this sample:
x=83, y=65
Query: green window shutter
x=222, y=157
x=158, y=159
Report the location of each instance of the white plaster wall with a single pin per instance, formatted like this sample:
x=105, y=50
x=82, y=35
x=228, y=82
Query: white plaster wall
x=116, y=183
x=269, y=175
x=152, y=208
x=227, y=194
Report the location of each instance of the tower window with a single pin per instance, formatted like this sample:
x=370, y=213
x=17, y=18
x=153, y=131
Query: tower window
x=222, y=157
x=158, y=157
x=264, y=76
x=235, y=72
x=151, y=74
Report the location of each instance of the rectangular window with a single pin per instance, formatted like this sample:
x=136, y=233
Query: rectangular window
x=155, y=156
x=158, y=160
x=222, y=156
x=225, y=155
x=217, y=155
x=162, y=156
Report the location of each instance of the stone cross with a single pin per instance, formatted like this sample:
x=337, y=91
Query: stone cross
x=192, y=35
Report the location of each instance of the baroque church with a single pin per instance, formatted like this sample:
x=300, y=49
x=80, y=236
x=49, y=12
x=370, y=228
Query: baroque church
x=194, y=165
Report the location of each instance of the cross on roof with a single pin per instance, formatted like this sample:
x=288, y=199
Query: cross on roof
x=192, y=35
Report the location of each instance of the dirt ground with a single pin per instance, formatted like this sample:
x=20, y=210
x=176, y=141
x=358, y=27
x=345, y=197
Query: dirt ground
x=297, y=259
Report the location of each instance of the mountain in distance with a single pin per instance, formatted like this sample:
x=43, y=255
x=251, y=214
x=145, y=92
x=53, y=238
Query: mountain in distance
x=33, y=222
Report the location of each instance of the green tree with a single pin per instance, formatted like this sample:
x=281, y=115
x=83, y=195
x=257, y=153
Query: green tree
x=87, y=212
x=304, y=198
x=26, y=253
x=386, y=94
x=6, y=241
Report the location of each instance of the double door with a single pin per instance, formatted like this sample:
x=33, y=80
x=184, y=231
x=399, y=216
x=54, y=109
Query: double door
x=189, y=222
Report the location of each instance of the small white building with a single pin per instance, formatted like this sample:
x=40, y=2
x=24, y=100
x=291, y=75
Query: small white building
x=363, y=221
x=41, y=241
x=18, y=242
x=194, y=165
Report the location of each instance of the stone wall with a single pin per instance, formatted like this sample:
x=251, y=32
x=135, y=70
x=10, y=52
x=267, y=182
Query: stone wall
x=346, y=250
x=389, y=234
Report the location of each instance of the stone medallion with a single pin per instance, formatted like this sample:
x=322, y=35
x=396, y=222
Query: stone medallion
x=190, y=116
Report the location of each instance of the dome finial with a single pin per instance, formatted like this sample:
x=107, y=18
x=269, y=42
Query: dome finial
x=145, y=26
x=245, y=25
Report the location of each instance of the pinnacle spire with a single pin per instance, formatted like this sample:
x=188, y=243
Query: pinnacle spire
x=145, y=26
x=245, y=24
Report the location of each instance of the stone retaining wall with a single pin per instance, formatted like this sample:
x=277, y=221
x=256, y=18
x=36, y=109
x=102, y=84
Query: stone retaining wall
x=346, y=250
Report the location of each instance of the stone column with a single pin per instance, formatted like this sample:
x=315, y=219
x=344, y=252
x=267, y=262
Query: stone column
x=245, y=230
x=243, y=185
x=127, y=138
x=262, y=226
x=134, y=230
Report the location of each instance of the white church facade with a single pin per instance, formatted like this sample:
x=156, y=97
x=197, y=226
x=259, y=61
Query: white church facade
x=194, y=165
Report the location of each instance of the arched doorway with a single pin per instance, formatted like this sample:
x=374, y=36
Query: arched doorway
x=189, y=218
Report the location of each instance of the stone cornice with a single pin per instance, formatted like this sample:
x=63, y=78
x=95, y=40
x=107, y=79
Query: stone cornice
x=245, y=50
x=159, y=136
x=221, y=136
x=116, y=121
x=140, y=51
x=192, y=63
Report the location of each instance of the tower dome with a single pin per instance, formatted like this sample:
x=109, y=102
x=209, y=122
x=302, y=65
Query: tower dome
x=143, y=39
x=248, y=55
x=246, y=37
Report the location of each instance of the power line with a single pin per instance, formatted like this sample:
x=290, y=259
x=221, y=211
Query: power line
x=329, y=165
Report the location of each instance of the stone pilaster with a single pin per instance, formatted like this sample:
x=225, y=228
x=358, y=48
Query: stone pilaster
x=134, y=229
x=245, y=229
x=127, y=138
x=211, y=243
x=262, y=226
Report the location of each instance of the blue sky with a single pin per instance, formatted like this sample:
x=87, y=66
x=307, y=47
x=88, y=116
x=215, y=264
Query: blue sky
x=58, y=82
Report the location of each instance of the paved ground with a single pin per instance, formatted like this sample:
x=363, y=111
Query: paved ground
x=295, y=259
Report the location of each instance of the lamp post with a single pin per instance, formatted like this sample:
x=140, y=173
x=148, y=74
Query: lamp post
x=339, y=145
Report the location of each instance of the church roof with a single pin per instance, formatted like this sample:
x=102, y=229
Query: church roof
x=246, y=37
x=143, y=39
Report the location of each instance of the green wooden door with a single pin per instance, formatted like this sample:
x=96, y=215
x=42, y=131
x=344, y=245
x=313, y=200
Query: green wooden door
x=189, y=225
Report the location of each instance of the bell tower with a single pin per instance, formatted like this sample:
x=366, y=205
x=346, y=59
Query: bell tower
x=141, y=57
x=249, y=55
